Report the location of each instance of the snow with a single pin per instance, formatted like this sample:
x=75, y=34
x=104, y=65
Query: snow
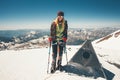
x=108, y=52
x=110, y=48
x=22, y=65
x=111, y=43
x=31, y=64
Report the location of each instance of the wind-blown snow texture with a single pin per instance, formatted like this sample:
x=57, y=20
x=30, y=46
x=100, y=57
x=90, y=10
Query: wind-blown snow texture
x=31, y=64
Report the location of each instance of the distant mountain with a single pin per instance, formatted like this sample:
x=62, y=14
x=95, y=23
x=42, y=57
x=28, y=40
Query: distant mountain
x=9, y=35
x=78, y=36
x=21, y=39
x=35, y=43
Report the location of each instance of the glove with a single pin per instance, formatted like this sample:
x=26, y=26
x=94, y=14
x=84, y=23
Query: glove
x=49, y=39
x=64, y=39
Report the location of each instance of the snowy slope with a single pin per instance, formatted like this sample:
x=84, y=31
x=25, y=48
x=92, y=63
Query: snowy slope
x=32, y=65
x=109, y=47
x=108, y=50
x=111, y=41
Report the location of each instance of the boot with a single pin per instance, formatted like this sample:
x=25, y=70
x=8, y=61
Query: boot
x=59, y=66
x=53, y=67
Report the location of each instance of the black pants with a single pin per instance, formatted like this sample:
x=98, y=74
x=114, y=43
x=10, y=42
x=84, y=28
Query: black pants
x=57, y=48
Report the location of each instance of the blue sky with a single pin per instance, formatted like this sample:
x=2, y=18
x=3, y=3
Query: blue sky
x=38, y=14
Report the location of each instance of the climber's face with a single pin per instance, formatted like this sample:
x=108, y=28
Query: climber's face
x=60, y=18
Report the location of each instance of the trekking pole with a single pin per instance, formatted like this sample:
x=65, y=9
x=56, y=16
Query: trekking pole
x=49, y=57
x=65, y=51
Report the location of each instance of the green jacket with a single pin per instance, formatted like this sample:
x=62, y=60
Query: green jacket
x=57, y=32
